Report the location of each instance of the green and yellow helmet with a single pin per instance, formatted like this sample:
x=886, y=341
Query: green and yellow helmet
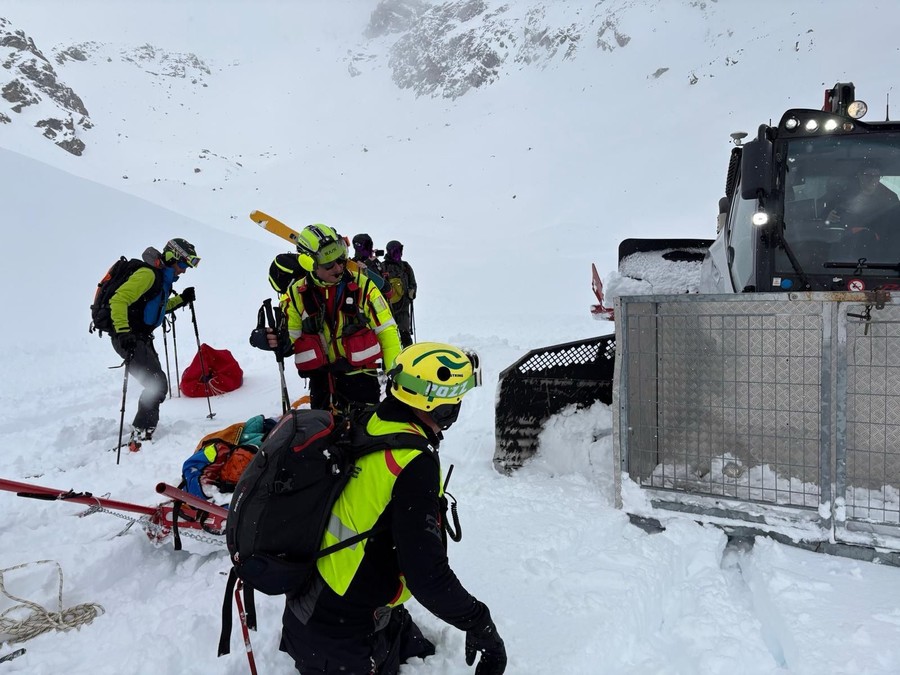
x=180, y=250
x=433, y=377
x=319, y=245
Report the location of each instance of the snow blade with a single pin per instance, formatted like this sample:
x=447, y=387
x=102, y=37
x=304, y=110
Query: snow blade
x=541, y=384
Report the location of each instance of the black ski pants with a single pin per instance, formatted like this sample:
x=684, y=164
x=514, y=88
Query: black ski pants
x=379, y=653
x=146, y=369
x=402, y=312
x=357, y=389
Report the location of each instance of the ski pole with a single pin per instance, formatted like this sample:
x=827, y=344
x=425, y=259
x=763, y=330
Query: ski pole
x=276, y=326
x=166, y=350
x=412, y=321
x=122, y=411
x=202, y=366
x=244, y=627
x=175, y=349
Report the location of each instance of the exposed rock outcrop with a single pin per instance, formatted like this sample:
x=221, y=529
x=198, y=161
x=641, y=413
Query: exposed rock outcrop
x=31, y=89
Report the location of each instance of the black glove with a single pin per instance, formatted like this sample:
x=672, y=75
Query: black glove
x=259, y=339
x=188, y=295
x=490, y=644
x=127, y=341
x=412, y=293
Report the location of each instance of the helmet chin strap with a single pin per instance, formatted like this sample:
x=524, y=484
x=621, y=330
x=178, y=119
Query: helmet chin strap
x=320, y=282
x=427, y=420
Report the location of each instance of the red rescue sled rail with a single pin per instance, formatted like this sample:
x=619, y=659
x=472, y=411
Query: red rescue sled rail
x=53, y=494
x=160, y=516
x=189, y=499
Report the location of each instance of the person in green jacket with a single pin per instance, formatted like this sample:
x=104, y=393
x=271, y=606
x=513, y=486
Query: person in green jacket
x=137, y=308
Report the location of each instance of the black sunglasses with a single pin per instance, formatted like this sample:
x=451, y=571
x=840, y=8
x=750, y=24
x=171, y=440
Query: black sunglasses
x=340, y=261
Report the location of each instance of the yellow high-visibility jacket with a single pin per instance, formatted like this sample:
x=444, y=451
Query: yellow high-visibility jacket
x=336, y=312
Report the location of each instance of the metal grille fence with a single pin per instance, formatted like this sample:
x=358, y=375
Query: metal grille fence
x=756, y=407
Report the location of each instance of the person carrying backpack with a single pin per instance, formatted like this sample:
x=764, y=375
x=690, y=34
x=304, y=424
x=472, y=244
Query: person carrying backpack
x=338, y=325
x=349, y=618
x=402, y=280
x=136, y=308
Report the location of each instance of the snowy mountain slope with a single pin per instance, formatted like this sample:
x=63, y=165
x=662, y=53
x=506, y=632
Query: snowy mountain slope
x=573, y=586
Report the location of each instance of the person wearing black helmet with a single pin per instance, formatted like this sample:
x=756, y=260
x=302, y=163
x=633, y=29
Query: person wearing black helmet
x=365, y=255
x=402, y=281
x=137, y=308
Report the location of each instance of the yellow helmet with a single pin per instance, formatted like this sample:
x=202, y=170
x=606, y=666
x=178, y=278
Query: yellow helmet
x=433, y=377
x=319, y=245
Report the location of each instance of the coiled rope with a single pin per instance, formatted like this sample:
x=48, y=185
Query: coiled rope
x=41, y=620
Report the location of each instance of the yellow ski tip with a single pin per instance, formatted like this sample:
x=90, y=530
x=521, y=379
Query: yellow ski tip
x=260, y=218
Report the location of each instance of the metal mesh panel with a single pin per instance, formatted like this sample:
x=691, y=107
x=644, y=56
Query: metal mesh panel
x=723, y=399
x=766, y=399
x=872, y=475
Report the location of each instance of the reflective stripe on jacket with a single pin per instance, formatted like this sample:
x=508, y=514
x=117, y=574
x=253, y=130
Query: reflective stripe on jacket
x=334, y=321
x=361, y=504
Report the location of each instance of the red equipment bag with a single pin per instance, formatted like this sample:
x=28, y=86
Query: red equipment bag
x=222, y=373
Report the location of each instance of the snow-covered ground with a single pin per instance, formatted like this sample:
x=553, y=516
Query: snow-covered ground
x=503, y=199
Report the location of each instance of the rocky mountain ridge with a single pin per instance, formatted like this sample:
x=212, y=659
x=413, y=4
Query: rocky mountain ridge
x=448, y=49
x=35, y=92
x=32, y=89
x=433, y=49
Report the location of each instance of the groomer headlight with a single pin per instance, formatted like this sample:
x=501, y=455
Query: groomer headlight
x=791, y=123
x=857, y=109
x=830, y=125
x=811, y=125
x=760, y=218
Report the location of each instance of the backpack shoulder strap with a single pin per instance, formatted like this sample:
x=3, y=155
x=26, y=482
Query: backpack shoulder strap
x=361, y=443
x=358, y=443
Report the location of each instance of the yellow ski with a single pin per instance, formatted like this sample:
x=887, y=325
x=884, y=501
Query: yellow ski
x=275, y=226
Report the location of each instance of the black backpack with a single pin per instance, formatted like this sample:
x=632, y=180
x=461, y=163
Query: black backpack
x=101, y=318
x=282, y=503
x=285, y=270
